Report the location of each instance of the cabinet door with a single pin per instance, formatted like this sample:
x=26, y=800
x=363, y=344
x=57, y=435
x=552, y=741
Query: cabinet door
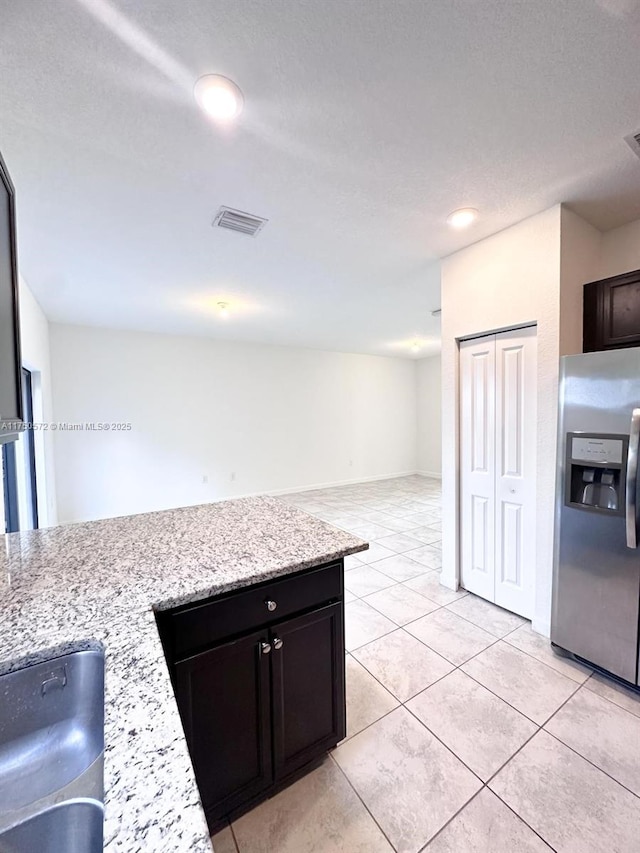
x=621, y=311
x=224, y=700
x=612, y=313
x=308, y=687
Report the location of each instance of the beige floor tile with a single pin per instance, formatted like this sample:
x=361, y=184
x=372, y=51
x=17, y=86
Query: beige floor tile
x=398, y=511
x=533, y=688
x=426, y=535
x=364, y=580
x=311, y=507
x=614, y=692
x=534, y=644
x=482, y=730
x=223, y=841
x=401, y=604
x=346, y=521
x=408, y=780
x=422, y=518
x=375, y=552
x=486, y=825
x=451, y=636
x=345, y=507
x=320, y=813
x=486, y=615
x=398, y=542
x=430, y=557
x=400, y=567
x=370, y=530
x=577, y=806
x=429, y=584
x=398, y=525
x=603, y=733
x=403, y=664
x=374, y=515
x=363, y=624
x=367, y=699
x=574, y=806
x=413, y=506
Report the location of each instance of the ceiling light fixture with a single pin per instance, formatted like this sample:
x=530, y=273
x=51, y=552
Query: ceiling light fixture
x=416, y=346
x=218, y=97
x=462, y=218
x=223, y=309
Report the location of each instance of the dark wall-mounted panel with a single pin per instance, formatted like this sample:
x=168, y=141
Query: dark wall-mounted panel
x=612, y=313
x=11, y=414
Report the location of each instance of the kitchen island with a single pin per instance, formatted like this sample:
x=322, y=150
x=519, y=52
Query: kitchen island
x=98, y=585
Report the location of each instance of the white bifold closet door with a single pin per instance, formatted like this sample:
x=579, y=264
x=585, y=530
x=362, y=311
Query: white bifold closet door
x=498, y=468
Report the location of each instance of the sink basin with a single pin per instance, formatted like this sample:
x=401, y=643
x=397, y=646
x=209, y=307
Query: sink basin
x=51, y=725
x=72, y=827
x=51, y=755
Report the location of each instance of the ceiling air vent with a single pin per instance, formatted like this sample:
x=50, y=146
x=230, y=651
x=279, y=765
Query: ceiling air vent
x=633, y=141
x=238, y=220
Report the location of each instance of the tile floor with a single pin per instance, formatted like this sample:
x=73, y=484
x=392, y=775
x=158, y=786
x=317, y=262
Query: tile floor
x=464, y=731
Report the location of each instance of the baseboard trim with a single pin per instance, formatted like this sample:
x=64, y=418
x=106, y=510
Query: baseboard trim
x=271, y=492
x=541, y=626
x=433, y=475
x=331, y=483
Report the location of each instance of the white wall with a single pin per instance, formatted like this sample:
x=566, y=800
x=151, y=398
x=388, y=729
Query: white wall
x=507, y=280
x=620, y=250
x=429, y=389
x=580, y=252
x=532, y=272
x=278, y=418
x=34, y=334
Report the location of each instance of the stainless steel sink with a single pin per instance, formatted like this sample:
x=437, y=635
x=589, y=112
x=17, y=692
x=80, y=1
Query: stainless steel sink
x=71, y=827
x=51, y=755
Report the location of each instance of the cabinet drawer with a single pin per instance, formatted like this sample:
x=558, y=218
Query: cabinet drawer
x=194, y=628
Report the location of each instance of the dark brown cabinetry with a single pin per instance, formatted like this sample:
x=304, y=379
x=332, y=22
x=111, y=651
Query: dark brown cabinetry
x=307, y=688
x=11, y=404
x=259, y=680
x=224, y=700
x=611, y=317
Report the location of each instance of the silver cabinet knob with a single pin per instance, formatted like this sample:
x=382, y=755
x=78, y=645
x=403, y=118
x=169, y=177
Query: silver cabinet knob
x=277, y=643
x=265, y=648
x=271, y=605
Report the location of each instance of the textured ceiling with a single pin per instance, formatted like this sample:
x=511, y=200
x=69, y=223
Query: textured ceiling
x=366, y=122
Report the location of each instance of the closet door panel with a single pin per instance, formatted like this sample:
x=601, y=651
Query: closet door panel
x=477, y=465
x=515, y=437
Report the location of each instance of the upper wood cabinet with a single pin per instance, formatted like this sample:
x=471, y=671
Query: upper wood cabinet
x=611, y=317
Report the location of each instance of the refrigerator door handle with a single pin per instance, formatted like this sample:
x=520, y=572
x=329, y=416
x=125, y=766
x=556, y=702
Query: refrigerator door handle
x=632, y=477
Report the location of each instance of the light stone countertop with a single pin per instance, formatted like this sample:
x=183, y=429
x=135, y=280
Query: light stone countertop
x=97, y=584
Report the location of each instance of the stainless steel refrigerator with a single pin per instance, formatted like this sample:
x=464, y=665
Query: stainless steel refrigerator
x=596, y=583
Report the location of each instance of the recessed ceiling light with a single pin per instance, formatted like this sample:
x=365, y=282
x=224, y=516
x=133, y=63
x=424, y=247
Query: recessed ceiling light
x=223, y=309
x=416, y=346
x=218, y=97
x=462, y=218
